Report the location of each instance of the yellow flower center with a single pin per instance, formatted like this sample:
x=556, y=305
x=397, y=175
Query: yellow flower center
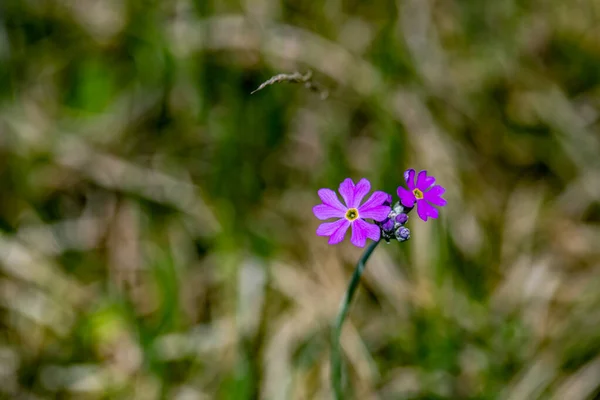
x=351, y=214
x=418, y=194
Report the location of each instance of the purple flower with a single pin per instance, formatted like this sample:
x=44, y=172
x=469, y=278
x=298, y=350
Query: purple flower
x=423, y=193
x=352, y=214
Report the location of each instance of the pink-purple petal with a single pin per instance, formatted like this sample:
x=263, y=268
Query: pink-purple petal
x=378, y=213
x=438, y=201
x=329, y=198
x=373, y=231
x=325, y=211
x=328, y=228
x=359, y=235
x=409, y=177
x=434, y=196
x=361, y=230
x=432, y=211
x=406, y=198
x=377, y=199
x=336, y=230
x=340, y=233
x=424, y=182
x=437, y=190
x=425, y=210
x=346, y=189
x=360, y=191
x=433, y=199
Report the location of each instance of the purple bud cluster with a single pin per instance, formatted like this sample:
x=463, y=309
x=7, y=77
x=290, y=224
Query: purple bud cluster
x=393, y=226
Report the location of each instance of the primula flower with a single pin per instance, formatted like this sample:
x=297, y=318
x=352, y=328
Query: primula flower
x=423, y=193
x=352, y=214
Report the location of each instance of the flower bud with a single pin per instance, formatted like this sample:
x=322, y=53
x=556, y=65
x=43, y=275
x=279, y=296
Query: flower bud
x=403, y=234
x=401, y=218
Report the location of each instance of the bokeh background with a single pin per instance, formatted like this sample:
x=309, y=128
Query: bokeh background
x=156, y=232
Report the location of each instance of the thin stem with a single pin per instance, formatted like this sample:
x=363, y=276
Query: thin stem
x=336, y=356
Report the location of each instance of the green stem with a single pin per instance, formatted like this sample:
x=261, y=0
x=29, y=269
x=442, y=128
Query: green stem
x=336, y=356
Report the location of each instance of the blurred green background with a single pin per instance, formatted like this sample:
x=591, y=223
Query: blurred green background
x=156, y=232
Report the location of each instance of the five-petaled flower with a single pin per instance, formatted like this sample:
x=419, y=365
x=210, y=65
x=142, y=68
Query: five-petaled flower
x=353, y=214
x=423, y=192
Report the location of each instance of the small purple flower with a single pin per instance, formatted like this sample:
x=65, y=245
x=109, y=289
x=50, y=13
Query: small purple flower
x=423, y=193
x=352, y=214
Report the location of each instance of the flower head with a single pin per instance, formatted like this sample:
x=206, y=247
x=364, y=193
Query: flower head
x=424, y=193
x=352, y=214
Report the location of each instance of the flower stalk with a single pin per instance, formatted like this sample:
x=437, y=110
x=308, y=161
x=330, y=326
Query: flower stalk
x=336, y=352
x=388, y=223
